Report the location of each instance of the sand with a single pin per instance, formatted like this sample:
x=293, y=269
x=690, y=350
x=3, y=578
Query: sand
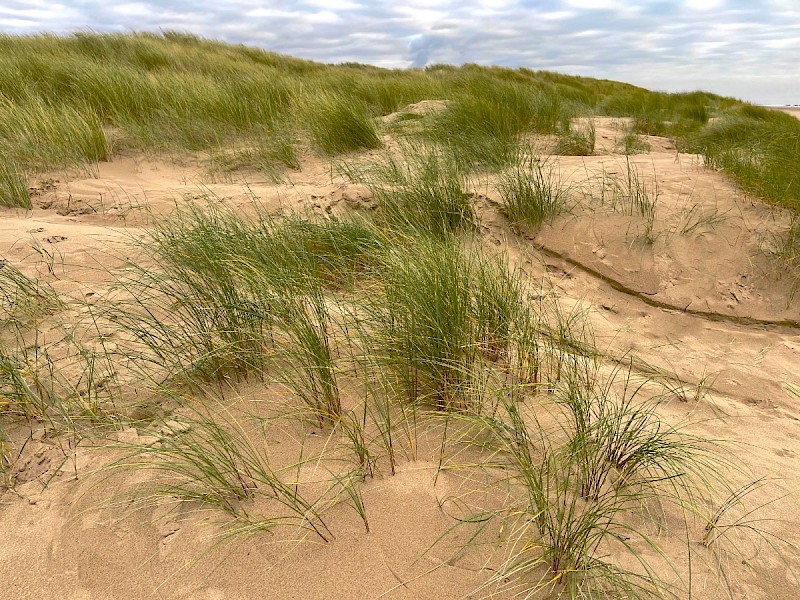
x=790, y=110
x=702, y=303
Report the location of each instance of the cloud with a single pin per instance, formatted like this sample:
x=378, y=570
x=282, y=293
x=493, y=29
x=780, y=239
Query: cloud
x=421, y=47
x=745, y=48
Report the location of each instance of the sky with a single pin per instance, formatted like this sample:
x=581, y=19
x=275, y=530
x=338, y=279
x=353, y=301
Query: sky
x=749, y=49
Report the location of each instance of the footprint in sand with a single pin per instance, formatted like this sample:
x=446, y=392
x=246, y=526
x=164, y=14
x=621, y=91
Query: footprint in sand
x=55, y=239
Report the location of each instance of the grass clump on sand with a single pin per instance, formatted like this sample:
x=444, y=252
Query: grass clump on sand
x=65, y=387
x=16, y=396
x=422, y=322
x=578, y=141
x=532, y=192
x=583, y=465
x=212, y=457
x=441, y=320
x=632, y=143
x=233, y=296
x=422, y=191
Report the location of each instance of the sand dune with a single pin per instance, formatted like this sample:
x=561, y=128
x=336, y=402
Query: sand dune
x=700, y=304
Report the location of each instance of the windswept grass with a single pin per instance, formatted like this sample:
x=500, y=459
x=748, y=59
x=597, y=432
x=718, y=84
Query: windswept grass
x=216, y=460
x=583, y=467
x=662, y=114
x=340, y=124
x=43, y=134
x=13, y=185
x=234, y=298
x=532, y=191
x=483, y=124
x=422, y=191
x=759, y=148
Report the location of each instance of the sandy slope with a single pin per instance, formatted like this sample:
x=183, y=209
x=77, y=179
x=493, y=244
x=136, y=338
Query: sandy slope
x=791, y=110
x=701, y=304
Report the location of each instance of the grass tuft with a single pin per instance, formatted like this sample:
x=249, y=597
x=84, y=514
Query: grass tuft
x=422, y=191
x=577, y=141
x=532, y=192
x=213, y=457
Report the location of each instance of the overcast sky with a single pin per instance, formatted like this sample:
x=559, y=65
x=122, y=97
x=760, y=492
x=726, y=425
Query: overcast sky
x=744, y=48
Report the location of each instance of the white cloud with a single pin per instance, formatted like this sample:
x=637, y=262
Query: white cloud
x=335, y=5
x=704, y=4
x=17, y=23
x=594, y=4
x=134, y=9
x=557, y=15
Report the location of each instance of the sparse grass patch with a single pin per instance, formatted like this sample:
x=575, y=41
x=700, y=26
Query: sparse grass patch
x=216, y=459
x=23, y=298
x=695, y=218
x=532, y=191
x=632, y=143
x=60, y=393
x=632, y=195
x=16, y=397
x=270, y=154
x=784, y=250
x=578, y=141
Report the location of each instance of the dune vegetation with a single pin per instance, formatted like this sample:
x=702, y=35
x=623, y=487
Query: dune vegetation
x=396, y=334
